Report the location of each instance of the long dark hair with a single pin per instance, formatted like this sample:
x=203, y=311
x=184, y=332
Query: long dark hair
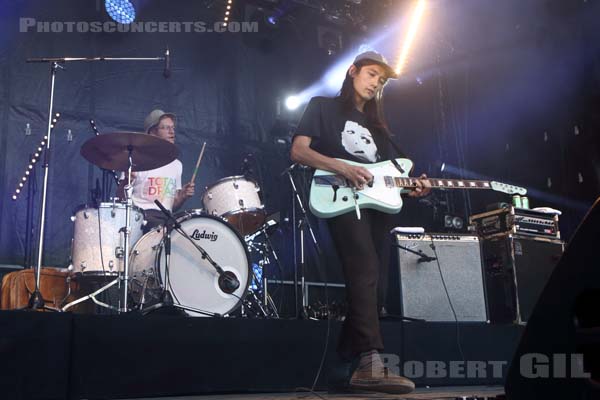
x=373, y=108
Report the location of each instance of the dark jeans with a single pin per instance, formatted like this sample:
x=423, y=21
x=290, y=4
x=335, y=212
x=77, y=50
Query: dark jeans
x=363, y=247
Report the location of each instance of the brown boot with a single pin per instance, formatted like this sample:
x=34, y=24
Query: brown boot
x=380, y=380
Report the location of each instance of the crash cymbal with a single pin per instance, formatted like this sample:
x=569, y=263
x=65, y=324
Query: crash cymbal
x=111, y=151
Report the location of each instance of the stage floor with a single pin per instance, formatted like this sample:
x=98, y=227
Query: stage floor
x=68, y=356
x=439, y=393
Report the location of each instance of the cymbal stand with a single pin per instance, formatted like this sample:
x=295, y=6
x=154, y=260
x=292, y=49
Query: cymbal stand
x=127, y=231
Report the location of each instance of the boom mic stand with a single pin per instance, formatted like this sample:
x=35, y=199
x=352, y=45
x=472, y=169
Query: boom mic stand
x=35, y=300
x=227, y=282
x=166, y=298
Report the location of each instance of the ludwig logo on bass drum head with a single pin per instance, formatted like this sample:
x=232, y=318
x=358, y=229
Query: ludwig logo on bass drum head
x=208, y=236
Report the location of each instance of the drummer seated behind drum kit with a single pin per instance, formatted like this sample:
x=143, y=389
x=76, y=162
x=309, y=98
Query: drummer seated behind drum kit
x=200, y=257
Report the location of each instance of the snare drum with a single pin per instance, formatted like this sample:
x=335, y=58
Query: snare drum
x=98, y=246
x=236, y=199
x=194, y=282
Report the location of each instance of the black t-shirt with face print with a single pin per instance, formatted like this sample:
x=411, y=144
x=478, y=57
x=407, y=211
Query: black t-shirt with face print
x=341, y=134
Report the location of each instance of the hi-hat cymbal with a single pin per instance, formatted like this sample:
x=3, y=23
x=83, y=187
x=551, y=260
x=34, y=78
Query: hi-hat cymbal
x=111, y=151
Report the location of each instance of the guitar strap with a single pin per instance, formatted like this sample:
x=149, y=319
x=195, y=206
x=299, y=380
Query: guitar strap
x=396, y=147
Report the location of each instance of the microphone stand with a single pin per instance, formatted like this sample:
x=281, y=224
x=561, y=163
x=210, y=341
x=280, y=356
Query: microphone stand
x=224, y=276
x=166, y=298
x=36, y=300
x=422, y=256
x=302, y=225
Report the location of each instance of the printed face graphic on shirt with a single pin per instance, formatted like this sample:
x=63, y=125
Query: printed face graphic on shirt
x=160, y=188
x=358, y=141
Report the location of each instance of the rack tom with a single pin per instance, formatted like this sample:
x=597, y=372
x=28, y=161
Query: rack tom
x=236, y=199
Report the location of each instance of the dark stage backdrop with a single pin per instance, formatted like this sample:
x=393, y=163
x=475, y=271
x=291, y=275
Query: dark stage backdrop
x=495, y=89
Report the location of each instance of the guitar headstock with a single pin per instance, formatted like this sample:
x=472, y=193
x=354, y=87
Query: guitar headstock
x=508, y=189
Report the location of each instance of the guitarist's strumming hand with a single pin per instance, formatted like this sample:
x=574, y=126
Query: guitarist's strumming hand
x=423, y=187
x=358, y=176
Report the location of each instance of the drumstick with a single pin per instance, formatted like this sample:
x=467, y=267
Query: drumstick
x=198, y=163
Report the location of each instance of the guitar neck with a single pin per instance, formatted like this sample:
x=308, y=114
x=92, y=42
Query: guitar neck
x=409, y=183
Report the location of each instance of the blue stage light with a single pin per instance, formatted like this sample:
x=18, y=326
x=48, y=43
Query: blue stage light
x=122, y=11
x=256, y=282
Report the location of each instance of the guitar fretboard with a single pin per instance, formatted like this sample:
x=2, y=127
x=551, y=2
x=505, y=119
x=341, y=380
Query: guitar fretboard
x=440, y=183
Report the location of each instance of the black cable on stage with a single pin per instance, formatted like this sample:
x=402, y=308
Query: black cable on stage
x=326, y=286
x=309, y=391
x=437, y=259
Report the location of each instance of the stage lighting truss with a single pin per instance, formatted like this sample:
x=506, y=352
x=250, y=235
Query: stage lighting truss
x=121, y=11
x=35, y=156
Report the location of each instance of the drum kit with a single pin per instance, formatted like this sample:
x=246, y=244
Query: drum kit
x=199, y=261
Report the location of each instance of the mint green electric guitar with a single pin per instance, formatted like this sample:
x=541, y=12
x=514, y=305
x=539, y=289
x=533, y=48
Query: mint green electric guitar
x=332, y=195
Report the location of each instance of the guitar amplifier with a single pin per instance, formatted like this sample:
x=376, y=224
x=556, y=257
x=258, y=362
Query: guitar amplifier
x=511, y=220
x=516, y=271
x=445, y=275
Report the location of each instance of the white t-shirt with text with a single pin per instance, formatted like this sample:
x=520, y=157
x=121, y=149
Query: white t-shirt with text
x=159, y=184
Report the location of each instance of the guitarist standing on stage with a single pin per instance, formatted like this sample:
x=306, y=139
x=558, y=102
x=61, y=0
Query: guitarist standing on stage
x=351, y=126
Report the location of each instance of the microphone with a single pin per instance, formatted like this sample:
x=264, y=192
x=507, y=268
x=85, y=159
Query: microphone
x=168, y=214
x=167, y=71
x=228, y=282
x=425, y=258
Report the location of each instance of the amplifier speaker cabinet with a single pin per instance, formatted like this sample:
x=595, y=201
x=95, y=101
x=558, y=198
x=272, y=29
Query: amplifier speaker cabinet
x=516, y=271
x=416, y=286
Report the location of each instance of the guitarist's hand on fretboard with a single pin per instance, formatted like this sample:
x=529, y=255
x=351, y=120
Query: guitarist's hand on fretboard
x=423, y=187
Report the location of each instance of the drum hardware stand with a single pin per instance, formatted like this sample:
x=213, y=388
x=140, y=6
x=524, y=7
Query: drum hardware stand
x=102, y=193
x=92, y=296
x=266, y=297
x=123, y=307
x=264, y=249
x=302, y=225
x=127, y=231
x=36, y=300
x=228, y=282
x=166, y=298
x=266, y=304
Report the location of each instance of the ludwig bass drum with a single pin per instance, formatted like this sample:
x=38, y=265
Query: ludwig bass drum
x=194, y=282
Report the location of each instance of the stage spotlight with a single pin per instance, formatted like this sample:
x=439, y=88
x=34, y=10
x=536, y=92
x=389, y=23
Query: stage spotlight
x=292, y=102
x=409, y=38
x=272, y=20
x=121, y=11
